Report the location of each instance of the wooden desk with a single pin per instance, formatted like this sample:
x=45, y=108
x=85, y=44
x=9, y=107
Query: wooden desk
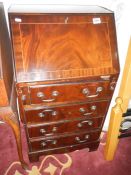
x=66, y=68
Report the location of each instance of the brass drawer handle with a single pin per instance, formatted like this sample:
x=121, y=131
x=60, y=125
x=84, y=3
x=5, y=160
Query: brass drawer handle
x=43, y=144
x=89, y=122
x=86, y=92
x=83, y=110
x=54, y=142
x=41, y=115
x=42, y=96
x=49, y=100
x=53, y=113
x=48, y=110
x=43, y=131
x=88, y=113
x=82, y=141
x=112, y=85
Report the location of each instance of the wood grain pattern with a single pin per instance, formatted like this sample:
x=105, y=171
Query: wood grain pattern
x=63, y=141
x=68, y=112
x=67, y=92
x=4, y=101
x=90, y=146
x=41, y=46
x=51, y=129
x=66, y=68
x=121, y=107
x=6, y=63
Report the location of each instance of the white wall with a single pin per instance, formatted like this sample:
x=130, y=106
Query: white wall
x=122, y=9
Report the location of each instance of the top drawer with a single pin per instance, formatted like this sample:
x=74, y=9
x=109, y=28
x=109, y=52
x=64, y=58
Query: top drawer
x=36, y=94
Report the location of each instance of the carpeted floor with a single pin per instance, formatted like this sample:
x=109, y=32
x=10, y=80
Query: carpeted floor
x=75, y=163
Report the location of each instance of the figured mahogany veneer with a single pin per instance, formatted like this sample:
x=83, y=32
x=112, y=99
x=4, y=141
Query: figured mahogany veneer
x=51, y=129
x=44, y=114
x=66, y=68
x=37, y=94
x=66, y=140
x=45, y=41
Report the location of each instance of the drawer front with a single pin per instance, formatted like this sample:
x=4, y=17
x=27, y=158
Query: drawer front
x=90, y=146
x=65, y=127
x=70, y=93
x=94, y=109
x=74, y=139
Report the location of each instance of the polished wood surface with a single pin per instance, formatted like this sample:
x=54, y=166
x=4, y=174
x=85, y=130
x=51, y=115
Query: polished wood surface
x=66, y=92
x=121, y=107
x=63, y=141
x=113, y=132
x=90, y=146
x=50, y=129
x=6, y=64
x=50, y=114
x=42, y=42
x=66, y=71
x=77, y=93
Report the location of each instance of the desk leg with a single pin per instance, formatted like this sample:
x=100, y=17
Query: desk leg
x=113, y=131
x=11, y=119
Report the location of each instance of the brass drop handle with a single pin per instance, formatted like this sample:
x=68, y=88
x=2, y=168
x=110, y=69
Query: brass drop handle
x=41, y=115
x=43, y=144
x=86, y=92
x=49, y=100
x=43, y=131
x=48, y=110
x=53, y=113
x=82, y=110
x=42, y=96
x=89, y=122
x=112, y=85
x=82, y=141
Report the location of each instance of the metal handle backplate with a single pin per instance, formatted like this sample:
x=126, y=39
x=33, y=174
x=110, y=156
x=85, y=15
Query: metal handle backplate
x=86, y=92
x=82, y=141
x=89, y=122
x=43, y=97
x=83, y=110
x=43, y=113
x=54, y=142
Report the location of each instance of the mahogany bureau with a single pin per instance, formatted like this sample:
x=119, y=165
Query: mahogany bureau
x=66, y=66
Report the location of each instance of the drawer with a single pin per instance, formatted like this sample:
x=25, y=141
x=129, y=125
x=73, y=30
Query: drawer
x=66, y=140
x=64, y=127
x=67, y=92
x=92, y=109
x=90, y=146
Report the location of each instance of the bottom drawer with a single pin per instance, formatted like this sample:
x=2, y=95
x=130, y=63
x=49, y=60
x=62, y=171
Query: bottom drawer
x=63, y=141
x=90, y=146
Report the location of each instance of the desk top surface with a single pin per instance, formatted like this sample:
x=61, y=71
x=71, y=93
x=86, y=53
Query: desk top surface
x=40, y=8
